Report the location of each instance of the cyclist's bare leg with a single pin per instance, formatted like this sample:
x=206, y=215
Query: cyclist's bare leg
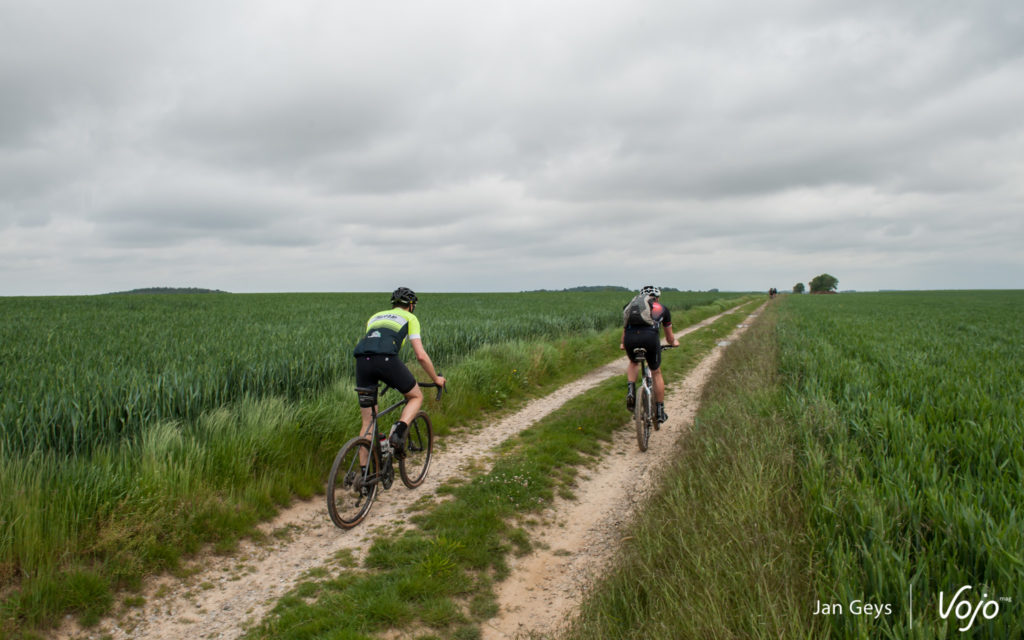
x=632, y=373
x=415, y=398
x=659, y=385
x=366, y=413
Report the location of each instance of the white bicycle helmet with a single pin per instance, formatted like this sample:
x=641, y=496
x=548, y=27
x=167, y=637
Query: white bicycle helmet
x=651, y=290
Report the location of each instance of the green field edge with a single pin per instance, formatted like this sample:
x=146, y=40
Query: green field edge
x=435, y=577
x=855, y=471
x=144, y=507
x=720, y=549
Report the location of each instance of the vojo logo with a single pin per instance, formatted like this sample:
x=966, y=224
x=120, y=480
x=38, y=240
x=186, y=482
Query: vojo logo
x=965, y=610
x=374, y=334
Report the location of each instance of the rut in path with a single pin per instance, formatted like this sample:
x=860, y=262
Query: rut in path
x=546, y=587
x=224, y=595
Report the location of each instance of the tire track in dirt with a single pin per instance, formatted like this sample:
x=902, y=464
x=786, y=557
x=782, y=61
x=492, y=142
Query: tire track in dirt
x=224, y=595
x=546, y=587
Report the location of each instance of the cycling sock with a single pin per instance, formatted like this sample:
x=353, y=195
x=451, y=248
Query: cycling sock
x=398, y=434
x=398, y=439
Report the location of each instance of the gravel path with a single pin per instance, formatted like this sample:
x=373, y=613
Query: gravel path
x=224, y=595
x=547, y=585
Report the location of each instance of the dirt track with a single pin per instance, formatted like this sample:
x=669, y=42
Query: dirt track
x=224, y=595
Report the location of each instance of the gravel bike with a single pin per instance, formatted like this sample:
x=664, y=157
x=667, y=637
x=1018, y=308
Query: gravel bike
x=645, y=415
x=364, y=465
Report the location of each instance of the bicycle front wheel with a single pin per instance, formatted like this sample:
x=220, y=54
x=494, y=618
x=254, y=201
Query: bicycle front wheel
x=352, y=485
x=642, y=417
x=419, y=445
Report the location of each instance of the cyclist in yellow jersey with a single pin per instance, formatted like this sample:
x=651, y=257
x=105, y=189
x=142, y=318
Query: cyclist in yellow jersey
x=377, y=361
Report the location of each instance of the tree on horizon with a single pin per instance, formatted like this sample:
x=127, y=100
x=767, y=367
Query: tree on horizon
x=824, y=283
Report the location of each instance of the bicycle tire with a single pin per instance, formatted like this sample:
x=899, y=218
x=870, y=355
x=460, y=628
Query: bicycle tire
x=642, y=417
x=346, y=503
x=419, y=447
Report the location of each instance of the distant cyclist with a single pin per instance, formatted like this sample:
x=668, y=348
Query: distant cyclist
x=377, y=361
x=642, y=319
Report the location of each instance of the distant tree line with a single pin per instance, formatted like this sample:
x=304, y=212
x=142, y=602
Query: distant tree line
x=604, y=287
x=168, y=290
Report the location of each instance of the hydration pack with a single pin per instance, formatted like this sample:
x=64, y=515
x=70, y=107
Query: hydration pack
x=638, y=312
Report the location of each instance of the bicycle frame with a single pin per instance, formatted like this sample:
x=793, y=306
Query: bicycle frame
x=645, y=374
x=382, y=445
x=644, y=413
x=374, y=414
x=642, y=410
x=365, y=464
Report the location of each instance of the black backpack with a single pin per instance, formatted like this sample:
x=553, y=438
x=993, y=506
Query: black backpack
x=638, y=312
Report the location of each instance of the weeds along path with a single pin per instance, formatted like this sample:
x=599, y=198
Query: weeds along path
x=223, y=595
x=546, y=586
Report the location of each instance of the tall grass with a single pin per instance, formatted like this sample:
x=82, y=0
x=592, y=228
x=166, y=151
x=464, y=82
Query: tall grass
x=141, y=505
x=719, y=551
x=81, y=372
x=910, y=407
x=106, y=516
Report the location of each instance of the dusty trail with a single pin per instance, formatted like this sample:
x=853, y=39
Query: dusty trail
x=224, y=595
x=547, y=585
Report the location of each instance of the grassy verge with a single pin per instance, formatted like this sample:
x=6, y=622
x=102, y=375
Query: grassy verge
x=720, y=550
x=82, y=530
x=435, y=579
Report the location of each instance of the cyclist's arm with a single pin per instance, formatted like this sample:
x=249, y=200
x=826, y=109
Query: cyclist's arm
x=622, y=341
x=670, y=337
x=424, y=360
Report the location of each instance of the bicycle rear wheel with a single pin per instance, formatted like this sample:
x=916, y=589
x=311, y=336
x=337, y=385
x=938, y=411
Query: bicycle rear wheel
x=419, y=445
x=350, y=487
x=642, y=417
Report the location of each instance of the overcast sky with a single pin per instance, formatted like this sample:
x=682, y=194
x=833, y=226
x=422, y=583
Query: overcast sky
x=501, y=146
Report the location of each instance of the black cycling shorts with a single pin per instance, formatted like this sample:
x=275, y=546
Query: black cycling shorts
x=648, y=339
x=390, y=370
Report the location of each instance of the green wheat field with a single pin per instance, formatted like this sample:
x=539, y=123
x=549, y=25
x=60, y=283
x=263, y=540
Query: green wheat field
x=856, y=449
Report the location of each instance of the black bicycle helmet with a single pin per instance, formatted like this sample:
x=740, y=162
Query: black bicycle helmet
x=651, y=290
x=404, y=296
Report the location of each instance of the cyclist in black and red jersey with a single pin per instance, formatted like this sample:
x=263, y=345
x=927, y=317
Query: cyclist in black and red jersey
x=643, y=317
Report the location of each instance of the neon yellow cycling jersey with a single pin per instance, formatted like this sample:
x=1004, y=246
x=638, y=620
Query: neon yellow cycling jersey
x=387, y=331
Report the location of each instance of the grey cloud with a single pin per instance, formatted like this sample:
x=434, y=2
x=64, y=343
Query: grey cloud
x=505, y=145
x=170, y=218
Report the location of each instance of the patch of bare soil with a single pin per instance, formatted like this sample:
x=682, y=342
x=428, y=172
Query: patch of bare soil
x=224, y=595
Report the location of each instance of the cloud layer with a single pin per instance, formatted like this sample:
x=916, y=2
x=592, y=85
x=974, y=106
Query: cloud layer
x=463, y=146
